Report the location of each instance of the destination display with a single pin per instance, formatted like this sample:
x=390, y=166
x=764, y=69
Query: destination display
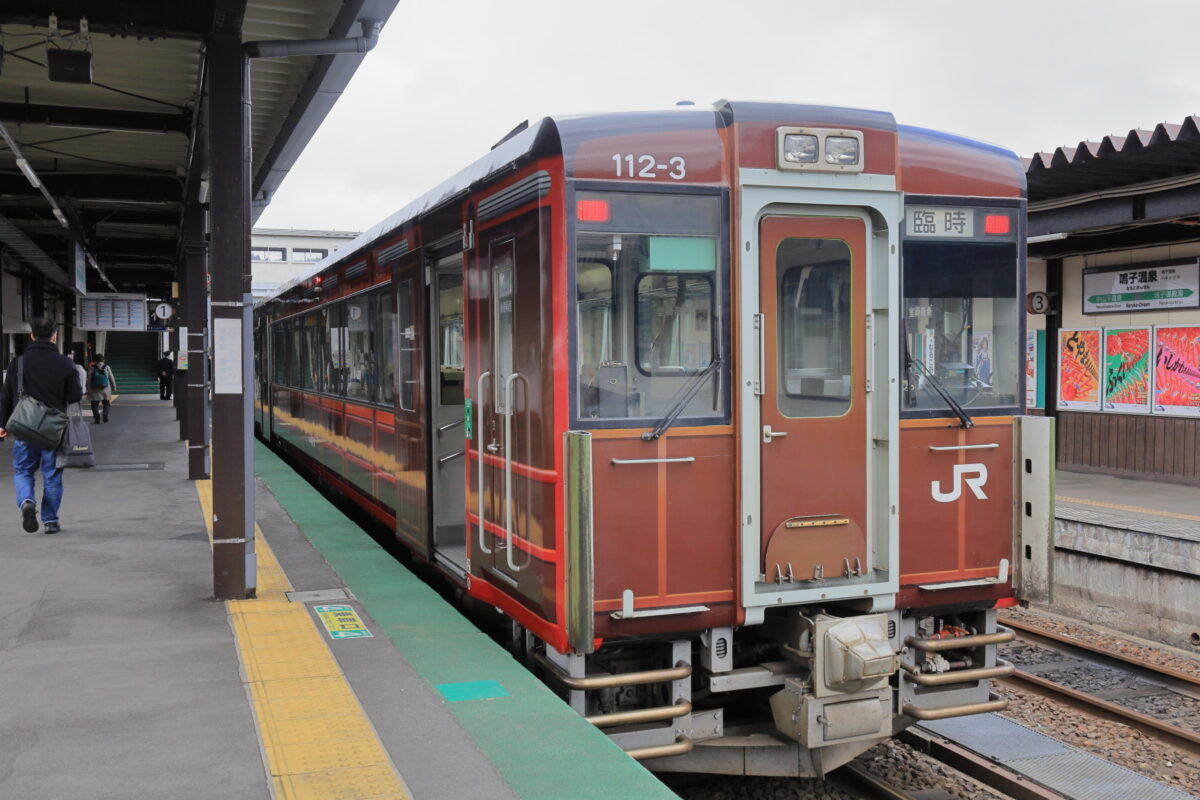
x=1141, y=287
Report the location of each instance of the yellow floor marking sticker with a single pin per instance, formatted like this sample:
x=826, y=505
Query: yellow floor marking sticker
x=342, y=622
x=318, y=742
x=1136, y=509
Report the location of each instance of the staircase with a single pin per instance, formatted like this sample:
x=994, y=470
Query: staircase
x=132, y=356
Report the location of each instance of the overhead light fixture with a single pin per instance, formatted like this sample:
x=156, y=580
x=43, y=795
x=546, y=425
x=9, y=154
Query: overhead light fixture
x=34, y=181
x=69, y=66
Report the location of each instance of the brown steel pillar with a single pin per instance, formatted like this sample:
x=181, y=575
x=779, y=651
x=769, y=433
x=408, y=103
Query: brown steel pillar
x=232, y=335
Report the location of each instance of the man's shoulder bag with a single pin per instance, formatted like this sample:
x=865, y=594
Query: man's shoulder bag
x=32, y=421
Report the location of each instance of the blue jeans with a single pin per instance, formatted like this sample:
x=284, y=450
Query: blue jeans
x=26, y=461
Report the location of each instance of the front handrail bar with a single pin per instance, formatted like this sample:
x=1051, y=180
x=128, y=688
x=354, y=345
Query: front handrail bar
x=508, y=473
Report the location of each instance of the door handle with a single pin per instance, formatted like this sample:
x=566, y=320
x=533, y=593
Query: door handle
x=769, y=434
x=494, y=448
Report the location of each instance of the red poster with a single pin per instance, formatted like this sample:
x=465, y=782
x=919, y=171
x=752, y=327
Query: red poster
x=1127, y=370
x=1177, y=370
x=1079, y=369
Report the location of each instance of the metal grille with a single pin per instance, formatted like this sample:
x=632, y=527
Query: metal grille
x=393, y=252
x=535, y=186
x=354, y=270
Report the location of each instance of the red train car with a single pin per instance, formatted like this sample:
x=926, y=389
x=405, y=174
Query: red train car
x=719, y=406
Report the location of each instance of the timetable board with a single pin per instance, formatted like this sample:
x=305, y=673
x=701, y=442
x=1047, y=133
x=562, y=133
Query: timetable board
x=112, y=312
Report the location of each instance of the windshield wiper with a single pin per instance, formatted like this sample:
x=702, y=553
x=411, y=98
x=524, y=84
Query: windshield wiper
x=681, y=404
x=931, y=380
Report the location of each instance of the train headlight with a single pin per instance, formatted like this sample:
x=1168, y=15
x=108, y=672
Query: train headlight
x=841, y=150
x=800, y=148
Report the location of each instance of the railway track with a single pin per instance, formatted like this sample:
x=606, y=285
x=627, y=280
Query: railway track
x=1163, y=703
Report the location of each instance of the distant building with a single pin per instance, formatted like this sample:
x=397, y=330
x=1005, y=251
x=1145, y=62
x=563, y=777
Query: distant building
x=279, y=254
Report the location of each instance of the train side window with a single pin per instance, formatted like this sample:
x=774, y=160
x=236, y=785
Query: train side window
x=337, y=350
x=279, y=355
x=406, y=329
x=318, y=344
x=384, y=360
x=358, y=373
x=815, y=354
x=450, y=332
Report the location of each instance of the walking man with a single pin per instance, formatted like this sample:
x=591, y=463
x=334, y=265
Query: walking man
x=166, y=375
x=50, y=377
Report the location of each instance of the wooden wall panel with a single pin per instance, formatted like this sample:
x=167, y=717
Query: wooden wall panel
x=1156, y=448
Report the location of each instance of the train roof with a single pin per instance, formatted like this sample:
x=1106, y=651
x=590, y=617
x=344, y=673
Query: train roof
x=564, y=134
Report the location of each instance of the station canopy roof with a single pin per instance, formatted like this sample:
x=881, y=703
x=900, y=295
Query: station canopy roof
x=119, y=154
x=1135, y=190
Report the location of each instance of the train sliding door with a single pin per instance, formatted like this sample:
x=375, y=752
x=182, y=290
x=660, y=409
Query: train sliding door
x=408, y=384
x=512, y=450
x=812, y=277
x=446, y=414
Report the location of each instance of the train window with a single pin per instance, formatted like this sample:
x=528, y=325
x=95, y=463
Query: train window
x=648, y=314
x=406, y=328
x=318, y=347
x=450, y=339
x=279, y=357
x=338, y=363
x=384, y=339
x=358, y=371
x=674, y=323
x=814, y=353
x=961, y=325
x=502, y=319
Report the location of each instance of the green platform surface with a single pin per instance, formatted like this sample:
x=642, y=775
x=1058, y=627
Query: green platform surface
x=537, y=743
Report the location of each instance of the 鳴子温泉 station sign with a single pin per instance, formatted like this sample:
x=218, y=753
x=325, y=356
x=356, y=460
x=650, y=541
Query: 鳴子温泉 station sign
x=1142, y=287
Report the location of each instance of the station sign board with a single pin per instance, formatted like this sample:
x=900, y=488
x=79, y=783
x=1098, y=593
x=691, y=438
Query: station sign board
x=111, y=312
x=1153, y=286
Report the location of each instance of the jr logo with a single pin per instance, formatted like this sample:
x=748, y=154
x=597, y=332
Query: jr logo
x=979, y=471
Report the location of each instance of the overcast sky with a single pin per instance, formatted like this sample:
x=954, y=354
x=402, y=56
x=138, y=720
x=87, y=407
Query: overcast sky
x=451, y=77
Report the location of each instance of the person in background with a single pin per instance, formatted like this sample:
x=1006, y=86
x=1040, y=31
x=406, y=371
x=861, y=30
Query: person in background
x=101, y=385
x=50, y=377
x=166, y=375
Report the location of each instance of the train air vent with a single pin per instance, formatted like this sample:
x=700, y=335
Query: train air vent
x=721, y=647
x=891, y=629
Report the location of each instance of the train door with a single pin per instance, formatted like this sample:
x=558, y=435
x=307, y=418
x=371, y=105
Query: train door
x=812, y=275
x=446, y=414
x=409, y=383
x=511, y=473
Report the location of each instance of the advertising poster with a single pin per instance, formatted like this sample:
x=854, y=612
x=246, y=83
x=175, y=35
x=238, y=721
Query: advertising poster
x=1035, y=369
x=1177, y=370
x=981, y=356
x=1079, y=369
x=1127, y=370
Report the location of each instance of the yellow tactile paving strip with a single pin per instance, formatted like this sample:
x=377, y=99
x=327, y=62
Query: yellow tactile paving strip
x=1136, y=509
x=317, y=742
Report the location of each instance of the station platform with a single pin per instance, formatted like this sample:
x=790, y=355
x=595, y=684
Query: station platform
x=123, y=678
x=1127, y=555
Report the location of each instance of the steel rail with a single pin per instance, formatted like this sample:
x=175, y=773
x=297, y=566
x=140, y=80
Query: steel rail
x=876, y=787
x=1179, y=737
x=1058, y=637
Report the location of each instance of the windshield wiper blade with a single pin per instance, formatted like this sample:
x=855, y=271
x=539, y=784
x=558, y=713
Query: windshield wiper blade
x=963, y=417
x=681, y=404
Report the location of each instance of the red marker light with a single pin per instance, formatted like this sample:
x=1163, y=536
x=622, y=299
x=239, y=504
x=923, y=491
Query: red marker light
x=592, y=211
x=317, y=280
x=995, y=223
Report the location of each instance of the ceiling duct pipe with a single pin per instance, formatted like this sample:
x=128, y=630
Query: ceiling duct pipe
x=317, y=47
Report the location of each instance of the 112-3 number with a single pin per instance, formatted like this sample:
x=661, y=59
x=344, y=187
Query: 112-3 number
x=649, y=167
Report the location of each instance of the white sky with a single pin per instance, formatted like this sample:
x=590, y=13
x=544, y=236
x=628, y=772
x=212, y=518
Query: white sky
x=450, y=77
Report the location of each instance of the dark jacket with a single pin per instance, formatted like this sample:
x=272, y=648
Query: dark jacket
x=166, y=367
x=49, y=376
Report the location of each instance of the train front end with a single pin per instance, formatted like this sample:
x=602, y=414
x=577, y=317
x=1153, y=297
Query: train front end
x=796, y=395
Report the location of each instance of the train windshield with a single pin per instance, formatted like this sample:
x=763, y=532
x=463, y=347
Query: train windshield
x=961, y=326
x=650, y=308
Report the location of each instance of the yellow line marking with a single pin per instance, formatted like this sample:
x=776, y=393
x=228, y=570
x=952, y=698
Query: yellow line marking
x=1137, y=509
x=318, y=742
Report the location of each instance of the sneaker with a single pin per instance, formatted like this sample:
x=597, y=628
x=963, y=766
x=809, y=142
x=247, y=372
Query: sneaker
x=29, y=517
x=52, y=527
